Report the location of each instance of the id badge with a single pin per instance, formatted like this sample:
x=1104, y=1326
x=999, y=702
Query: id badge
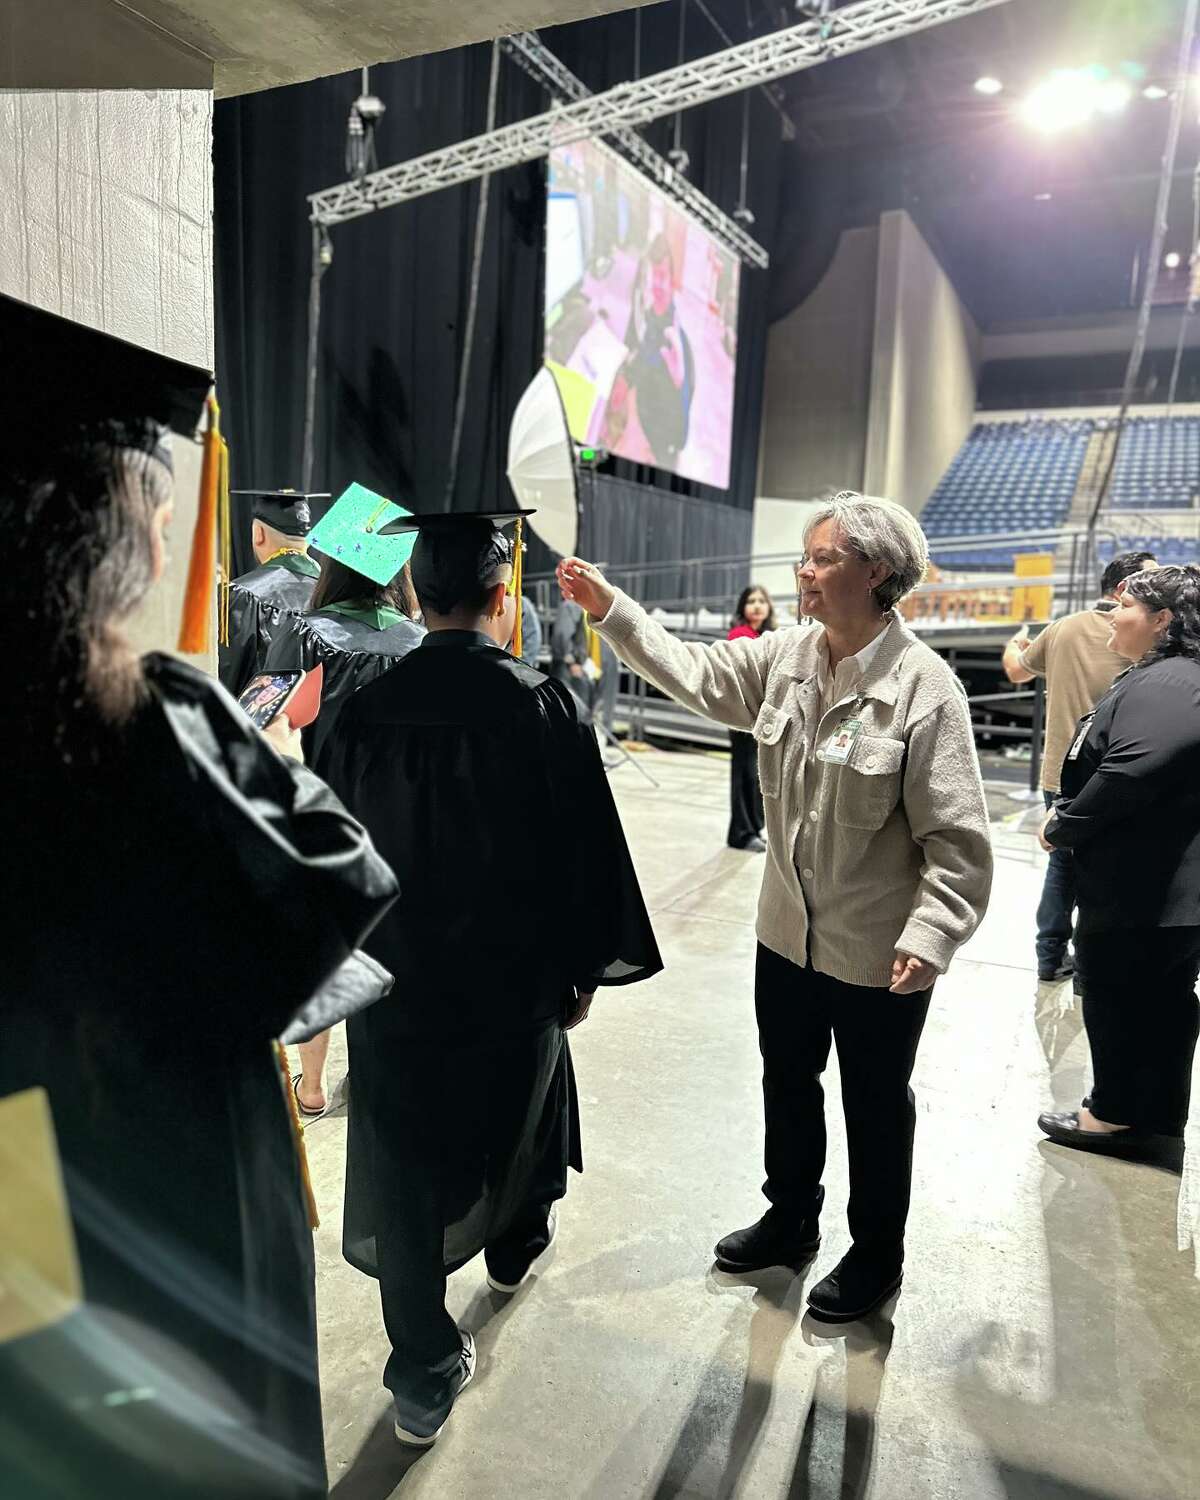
x=1085, y=725
x=841, y=742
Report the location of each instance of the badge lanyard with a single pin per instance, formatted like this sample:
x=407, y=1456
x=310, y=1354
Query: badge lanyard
x=837, y=749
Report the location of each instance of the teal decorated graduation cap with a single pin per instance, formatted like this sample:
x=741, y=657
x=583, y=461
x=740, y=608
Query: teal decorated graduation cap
x=350, y=532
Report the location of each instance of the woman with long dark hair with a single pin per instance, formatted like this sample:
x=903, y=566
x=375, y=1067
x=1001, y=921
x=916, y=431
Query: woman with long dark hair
x=753, y=616
x=356, y=629
x=173, y=891
x=1130, y=815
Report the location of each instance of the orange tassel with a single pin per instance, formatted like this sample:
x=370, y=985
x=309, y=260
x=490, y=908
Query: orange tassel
x=518, y=577
x=195, y=627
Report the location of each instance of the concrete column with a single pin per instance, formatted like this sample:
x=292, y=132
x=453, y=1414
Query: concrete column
x=106, y=218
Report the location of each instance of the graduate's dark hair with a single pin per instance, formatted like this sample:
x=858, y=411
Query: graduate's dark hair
x=456, y=570
x=739, y=613
x=339, y=584
x=76, y=534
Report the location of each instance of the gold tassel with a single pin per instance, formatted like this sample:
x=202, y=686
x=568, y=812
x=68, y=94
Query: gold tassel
x=195, y=623
x=593, y=645
x=518, y=570
x=289, y=1093
x=225, y=534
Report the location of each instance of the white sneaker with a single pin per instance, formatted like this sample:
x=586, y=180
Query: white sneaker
x=469, y=1358
x=508, y=1287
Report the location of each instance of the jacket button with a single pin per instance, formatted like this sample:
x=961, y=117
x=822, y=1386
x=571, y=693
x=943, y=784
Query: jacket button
x=813, y=816
x=808, y=874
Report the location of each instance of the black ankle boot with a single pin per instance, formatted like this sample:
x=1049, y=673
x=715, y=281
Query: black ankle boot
x=778, y=1239
x=860, y=1282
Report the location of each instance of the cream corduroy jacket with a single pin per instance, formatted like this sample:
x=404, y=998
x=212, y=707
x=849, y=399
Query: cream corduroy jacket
x=888, y=851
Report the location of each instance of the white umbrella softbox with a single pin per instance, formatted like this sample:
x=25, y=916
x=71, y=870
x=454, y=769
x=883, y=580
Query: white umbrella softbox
x=541, y=464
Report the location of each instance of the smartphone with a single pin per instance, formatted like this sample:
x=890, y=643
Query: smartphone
x=264, y=697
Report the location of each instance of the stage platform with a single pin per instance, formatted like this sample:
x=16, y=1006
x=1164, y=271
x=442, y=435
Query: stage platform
x=1046, y=1345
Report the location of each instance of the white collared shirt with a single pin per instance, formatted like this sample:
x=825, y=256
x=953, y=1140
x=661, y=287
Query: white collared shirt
x=846, y=676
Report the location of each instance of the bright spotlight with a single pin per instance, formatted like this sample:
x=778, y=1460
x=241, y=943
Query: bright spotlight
x=1071, y=97
x=1172, y=260
x=1061, y=102
x=1114, y=96
x=1154, y=91
x=988, y=85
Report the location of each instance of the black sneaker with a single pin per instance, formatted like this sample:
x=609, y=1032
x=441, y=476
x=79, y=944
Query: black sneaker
x=776, y=1240
x=1058, y=975
x=856, y=1286
x=509, y=1279
x=466, y=1373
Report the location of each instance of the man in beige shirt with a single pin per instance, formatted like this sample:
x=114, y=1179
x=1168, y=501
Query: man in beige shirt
x=1079, y=665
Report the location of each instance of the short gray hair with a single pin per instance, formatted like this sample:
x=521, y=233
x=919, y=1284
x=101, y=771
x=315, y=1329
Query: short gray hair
x=879, y=531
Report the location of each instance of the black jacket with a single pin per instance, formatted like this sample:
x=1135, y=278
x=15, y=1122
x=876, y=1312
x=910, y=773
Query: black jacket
x=1130, y=806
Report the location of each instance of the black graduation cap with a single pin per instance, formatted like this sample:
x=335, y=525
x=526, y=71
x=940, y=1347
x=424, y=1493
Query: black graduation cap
x=457, y=551
x=288, y=511
x=62, y=382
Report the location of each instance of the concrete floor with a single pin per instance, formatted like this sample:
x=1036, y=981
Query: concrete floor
x=1046, y=1345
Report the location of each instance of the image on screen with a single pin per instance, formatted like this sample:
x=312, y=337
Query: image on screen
x=641, y=317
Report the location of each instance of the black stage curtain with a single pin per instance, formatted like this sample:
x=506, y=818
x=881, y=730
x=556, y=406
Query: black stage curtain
x=395, y=296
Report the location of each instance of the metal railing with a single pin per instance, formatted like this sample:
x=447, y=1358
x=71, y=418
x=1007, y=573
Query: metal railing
x=694, y=596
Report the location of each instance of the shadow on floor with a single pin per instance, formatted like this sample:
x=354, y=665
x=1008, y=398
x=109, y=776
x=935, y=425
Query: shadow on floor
x=839, y=1432
x=718, y=1435
x=382, y=1464
x=1095, y=1405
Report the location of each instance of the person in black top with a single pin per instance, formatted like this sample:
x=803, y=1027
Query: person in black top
x=1130, y=814
x=171, y=888
x=473, y=771
x=262, y=601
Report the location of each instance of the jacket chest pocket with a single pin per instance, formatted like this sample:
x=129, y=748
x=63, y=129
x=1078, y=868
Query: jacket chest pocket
x=770, y=734
x=868, y=785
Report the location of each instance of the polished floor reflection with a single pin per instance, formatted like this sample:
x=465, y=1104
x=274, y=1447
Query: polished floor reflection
x=1046, y=1345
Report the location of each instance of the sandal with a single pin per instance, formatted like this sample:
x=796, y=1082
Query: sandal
x=311, y=1114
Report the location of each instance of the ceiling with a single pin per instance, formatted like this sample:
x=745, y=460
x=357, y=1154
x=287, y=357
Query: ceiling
x=241, y=46
x=1028, y=226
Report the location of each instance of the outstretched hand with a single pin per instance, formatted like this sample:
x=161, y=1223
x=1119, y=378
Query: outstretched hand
x=586, y=586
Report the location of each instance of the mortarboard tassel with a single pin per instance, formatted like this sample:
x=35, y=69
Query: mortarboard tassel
x=194, y=626
x=518, y=570
x=593, y=645
x=293, y=1109
x=225, y=536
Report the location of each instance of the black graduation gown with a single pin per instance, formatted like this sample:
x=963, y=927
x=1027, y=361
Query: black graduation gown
x=355, y=644
x=261, y=603
x=163, y=916
x=475, y=777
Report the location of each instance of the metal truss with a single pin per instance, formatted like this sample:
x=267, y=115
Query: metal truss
x=528, y=49
x=792, y=50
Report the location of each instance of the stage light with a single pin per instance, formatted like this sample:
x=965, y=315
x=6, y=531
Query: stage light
x=1114, y=96
x=1071, y=97
x=1061, y=102
x=988, y=85
x=1172, y=260
x=1154, y=91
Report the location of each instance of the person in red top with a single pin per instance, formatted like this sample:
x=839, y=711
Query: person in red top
x=754, y=614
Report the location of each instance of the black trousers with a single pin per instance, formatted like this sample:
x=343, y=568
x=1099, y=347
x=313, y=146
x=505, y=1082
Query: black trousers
x=1142, y=1020
x=876, y=1032
x=422, y=1371
x=745, y=796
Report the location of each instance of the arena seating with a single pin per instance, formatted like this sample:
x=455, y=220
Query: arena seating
x=1007, y=476
x=1158, y=464
x=1167, y=549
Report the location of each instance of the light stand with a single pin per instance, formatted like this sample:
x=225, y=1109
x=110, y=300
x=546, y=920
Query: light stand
x=586, y=462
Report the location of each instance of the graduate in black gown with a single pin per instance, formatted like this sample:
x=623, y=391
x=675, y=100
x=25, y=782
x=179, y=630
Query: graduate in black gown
x=355, y=625
x=468, y=766
x=357, y=628
x=263, y=601
x=172, y=892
